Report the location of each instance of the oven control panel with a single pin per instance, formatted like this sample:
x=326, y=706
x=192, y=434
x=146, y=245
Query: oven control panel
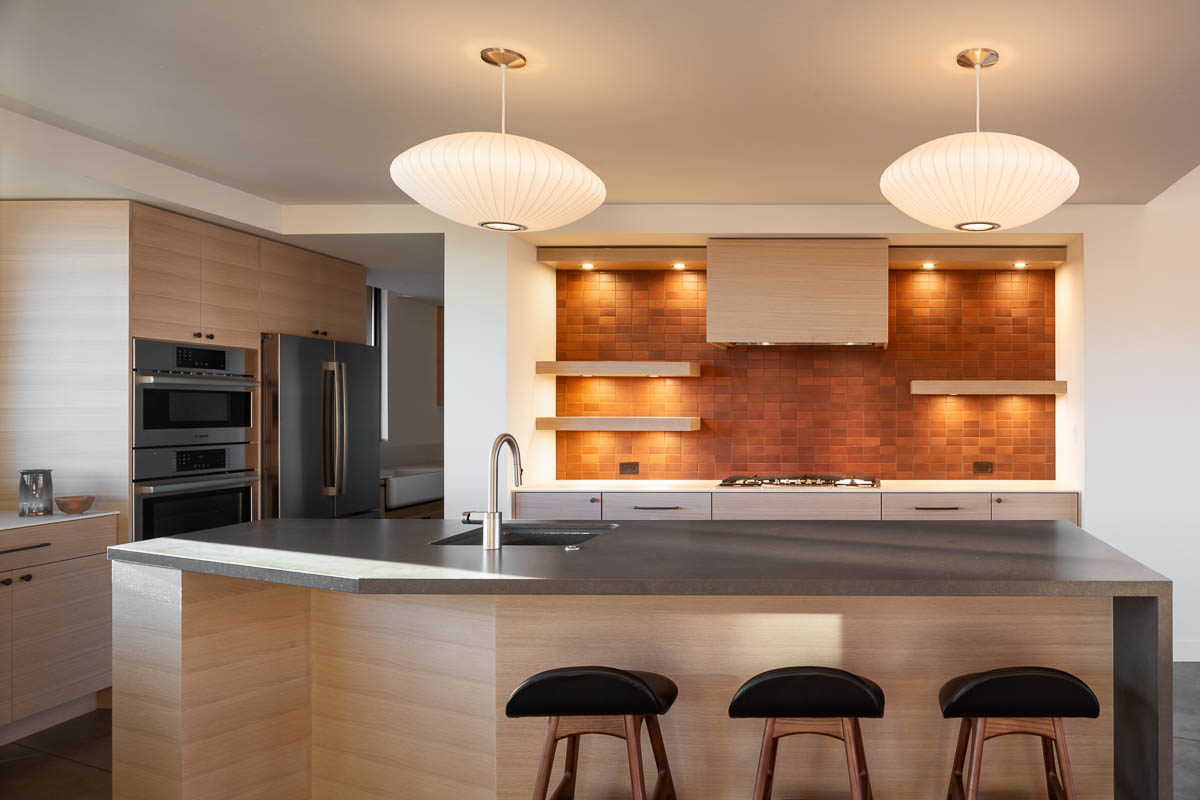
x=200, y=358
x=192, y=460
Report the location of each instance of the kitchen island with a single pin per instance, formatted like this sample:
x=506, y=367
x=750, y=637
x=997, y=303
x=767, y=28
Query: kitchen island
x=353, y=659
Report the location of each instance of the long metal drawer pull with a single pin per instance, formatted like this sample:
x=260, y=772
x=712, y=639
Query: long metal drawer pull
x=935, y=508
x=172, y=488
x=224, y=383
x=657, y=508
x=26, y=547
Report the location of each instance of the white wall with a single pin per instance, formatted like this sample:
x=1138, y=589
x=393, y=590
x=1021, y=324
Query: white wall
x=414, y=418
x=531, y=338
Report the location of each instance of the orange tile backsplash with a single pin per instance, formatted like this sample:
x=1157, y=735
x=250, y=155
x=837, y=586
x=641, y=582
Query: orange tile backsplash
x=813, y=409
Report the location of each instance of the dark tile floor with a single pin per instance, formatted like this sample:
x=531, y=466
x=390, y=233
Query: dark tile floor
x=74, y=760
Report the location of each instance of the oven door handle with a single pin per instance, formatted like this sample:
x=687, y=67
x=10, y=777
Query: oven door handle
x=191, y=486
x=172, y=380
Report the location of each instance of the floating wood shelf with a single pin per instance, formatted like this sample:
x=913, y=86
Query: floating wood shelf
x=624, y=258
x=621, y=369
x=989, y=387
x=976, y=257
x=618, y=423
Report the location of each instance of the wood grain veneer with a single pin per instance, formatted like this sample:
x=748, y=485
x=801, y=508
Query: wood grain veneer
x=403, y=697
x=64, y=322
x=741, y=504
x=61, y=632
x=937, y=505
x=71, y=537
x=797, y=291
x=709, y=645
x=988, y=387
x=618, y=423
x=557, y=505
x=628, y=369
x=302, y=292
x=1036, y=505
x=657, y=505
x=229, y=287
x=6, y=647
x=166, y=263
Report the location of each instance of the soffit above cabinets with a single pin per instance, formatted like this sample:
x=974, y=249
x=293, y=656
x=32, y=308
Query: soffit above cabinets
x=665, y=257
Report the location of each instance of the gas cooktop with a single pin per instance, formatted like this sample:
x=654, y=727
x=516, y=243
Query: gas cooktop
x=752, y=481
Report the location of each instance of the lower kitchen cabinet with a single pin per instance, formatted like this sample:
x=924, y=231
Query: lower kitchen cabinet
x=657, y=505
x=1036, y=505
x=6, y=648
x=939, y=505
x=61, y=633
x=557, y=505
x=795, y=505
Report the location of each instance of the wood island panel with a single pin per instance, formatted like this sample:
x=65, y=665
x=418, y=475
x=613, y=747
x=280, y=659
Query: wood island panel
x=710, y=645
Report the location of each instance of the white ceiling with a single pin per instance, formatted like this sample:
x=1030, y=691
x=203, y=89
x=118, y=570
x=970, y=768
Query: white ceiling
x=757, y=101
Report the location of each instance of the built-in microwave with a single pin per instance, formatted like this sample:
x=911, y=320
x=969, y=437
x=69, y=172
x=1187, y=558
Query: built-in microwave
x=189, y=395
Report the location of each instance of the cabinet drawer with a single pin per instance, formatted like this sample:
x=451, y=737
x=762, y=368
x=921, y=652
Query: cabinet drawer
x=56, y=541
x=657, y=505
x=556, y=505
x=956, y=505
x=1036, y=505
x=795, y=505
x=61, y=633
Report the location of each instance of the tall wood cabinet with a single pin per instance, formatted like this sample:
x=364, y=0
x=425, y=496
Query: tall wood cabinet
x=191, y=280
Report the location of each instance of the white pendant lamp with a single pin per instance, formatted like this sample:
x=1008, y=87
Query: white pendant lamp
x=497, y=180
x=981, y=181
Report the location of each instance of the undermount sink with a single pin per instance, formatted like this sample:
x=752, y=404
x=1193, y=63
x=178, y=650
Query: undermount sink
x=552, y=534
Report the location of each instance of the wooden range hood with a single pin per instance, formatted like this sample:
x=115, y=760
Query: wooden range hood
x=797, y=291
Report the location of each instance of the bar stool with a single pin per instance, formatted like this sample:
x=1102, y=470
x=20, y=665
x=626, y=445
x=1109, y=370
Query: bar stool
x=597, y=700
x=818, y=700
x=999, y=702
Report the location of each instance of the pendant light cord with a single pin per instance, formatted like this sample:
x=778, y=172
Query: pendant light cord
x=978, y=69
x=504, y=99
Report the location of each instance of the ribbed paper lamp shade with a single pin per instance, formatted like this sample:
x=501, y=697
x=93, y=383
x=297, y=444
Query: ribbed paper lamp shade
x=498, y=180
x=977, y=179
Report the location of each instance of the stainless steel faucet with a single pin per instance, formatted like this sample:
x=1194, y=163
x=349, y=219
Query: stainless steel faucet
x=493, y=518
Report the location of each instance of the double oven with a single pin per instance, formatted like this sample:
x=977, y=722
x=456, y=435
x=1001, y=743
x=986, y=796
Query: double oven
x=193, y=433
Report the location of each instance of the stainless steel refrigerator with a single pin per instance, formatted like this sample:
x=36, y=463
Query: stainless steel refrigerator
x=320, y=427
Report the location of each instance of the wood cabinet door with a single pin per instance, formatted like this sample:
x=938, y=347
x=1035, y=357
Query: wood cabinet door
x=61, y=632
x=557, y=505
x=1036, y=505
x=752, y=504
x=342, y=300
x=937, y=505
x=229, y=287
x=288, y=301
x=657, y=505
x=6, y=648
x=165, y=257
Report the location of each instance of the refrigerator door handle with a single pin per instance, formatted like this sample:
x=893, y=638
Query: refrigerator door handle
x=344, y=426
x=329, y=428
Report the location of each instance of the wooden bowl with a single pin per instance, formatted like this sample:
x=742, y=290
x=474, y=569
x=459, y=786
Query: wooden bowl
x=75, y=503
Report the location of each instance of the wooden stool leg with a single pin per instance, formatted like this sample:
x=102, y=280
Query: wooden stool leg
x=542, y=785
x=862, y=761
x=1064, y=761
x=1053, y=786
x=852, y=758
x=958, y=789
x=766, y=762
x=566, y=787
x=664, y=787
x=633, y=746
x=978, y=731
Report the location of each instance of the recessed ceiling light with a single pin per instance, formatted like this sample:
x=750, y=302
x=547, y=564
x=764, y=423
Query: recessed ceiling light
x=927, y=265
x=653, y=376
x=587, y=376
x=766, y=343
x=1019, y=265
x=587, y=266
x=681, y=266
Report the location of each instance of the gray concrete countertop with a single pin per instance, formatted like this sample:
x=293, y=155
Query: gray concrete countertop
x=681, y=558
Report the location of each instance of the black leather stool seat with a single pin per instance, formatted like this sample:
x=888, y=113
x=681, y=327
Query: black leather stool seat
x=807, y=692
x=1018, y=692
x=592, y=691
